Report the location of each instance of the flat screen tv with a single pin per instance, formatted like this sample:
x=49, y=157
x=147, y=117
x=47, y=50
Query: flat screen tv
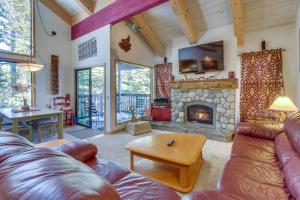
x=202, y=58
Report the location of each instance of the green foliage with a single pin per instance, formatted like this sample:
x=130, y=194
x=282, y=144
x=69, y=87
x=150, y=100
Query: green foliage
x=15, y=26
x=134, y=79
x=9, y=76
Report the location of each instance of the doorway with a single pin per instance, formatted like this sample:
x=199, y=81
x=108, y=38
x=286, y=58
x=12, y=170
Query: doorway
x=90, y=97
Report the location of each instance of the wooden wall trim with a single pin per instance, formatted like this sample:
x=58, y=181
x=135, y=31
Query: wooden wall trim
x=112, y=14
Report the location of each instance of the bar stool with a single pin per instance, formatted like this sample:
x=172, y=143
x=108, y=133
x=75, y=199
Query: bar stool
x=23, y=128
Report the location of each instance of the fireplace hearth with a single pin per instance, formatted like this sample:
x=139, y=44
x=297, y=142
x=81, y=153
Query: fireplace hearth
x=200, y=114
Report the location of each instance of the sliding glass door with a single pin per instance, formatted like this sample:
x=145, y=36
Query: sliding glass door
x=90, y=97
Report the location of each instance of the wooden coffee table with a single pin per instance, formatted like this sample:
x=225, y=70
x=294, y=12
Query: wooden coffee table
x=176, y=166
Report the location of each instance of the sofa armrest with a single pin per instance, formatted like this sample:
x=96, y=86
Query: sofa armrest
x=207, y=195
x=264, y=130
x=79, y=150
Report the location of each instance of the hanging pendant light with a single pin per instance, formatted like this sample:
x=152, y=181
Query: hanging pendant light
x=31, y=67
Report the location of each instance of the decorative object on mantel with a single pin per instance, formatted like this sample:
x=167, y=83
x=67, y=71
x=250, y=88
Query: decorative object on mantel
x=54, y=75
x=263, y=45
x=23, y=89
x=231, y=75
x=125, y=44
x=204, y=84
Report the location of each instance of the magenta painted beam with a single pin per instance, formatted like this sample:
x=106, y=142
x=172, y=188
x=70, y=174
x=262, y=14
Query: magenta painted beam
x=114, y=13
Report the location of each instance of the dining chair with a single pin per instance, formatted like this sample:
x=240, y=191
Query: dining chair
x=23, y=128
x=63, y=103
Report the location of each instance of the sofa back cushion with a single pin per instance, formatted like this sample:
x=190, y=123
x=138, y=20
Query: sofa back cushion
x=292, y=129
x=291, y=173
x=41, y=173
x=80, y=150
x=284, y=149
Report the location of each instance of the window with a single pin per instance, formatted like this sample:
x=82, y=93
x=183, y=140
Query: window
x=16, y=26
x=133, y=89
x=10, y=75
x=16, y=38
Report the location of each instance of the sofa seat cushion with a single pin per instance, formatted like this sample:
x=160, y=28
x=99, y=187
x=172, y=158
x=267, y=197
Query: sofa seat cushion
x=137, y=187
x=109, y=170
x=248, y=179
x=284, y=149
x=255, y=149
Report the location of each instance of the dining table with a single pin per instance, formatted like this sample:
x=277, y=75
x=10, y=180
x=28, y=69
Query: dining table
x=16, y=116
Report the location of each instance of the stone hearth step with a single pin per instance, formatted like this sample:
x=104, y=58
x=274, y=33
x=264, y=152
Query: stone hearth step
x=221, y=135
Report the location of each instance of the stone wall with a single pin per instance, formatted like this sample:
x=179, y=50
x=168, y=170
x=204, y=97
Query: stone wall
x=222, y=99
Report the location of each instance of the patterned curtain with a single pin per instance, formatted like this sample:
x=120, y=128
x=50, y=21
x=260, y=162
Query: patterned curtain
x=261, y=83
x=163, y=74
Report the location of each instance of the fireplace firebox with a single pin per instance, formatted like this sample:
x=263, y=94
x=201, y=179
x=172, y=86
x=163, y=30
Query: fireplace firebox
x=200, y=114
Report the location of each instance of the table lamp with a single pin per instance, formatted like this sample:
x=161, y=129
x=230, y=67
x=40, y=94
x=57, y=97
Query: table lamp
x=284, y=104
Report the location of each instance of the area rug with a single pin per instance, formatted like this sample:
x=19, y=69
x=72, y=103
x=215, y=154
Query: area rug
x=83, y=133
x=215, y=155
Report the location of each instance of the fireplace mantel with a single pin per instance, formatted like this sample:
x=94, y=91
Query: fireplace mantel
x=205, y=84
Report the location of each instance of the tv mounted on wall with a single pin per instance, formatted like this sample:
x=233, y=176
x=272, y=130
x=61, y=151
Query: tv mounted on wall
x=202, y=58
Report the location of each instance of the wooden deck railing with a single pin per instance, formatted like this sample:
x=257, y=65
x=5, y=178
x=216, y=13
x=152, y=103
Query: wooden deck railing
x=124, y=101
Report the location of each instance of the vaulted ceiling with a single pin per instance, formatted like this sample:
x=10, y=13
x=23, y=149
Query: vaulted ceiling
x=191, y=17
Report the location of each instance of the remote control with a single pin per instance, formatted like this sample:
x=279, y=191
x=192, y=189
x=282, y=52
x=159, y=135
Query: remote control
x=170, y=142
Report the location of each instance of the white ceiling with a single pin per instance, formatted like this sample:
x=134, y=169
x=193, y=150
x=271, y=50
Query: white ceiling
x=208, y=14
x=70, y=6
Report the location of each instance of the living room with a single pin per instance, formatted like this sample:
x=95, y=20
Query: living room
x=156, y=99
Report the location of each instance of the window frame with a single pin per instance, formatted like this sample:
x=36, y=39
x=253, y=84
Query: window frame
x=17, y=57
x=116, y=89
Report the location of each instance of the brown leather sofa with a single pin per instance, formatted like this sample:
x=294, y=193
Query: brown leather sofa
x=264, y=163
x=32, y=173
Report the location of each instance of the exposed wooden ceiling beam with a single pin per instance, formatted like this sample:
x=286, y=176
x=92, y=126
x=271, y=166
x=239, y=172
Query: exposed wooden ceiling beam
x=88, y=6
x=149, y=35
x=58, y=10
x=183, y=14
x=238, y=20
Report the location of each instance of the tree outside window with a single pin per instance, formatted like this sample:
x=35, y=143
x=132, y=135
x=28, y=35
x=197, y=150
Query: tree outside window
x=16, y=26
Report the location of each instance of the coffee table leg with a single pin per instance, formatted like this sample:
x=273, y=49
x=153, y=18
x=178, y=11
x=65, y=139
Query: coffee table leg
x=184, y=176
x=131, y=161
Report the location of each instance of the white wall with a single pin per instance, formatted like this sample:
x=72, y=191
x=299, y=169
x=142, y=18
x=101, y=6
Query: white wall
x=102, y=58
x=140, y=52
x=102, y=36
x=217, y=34
x=278, y=37
x=46, y=46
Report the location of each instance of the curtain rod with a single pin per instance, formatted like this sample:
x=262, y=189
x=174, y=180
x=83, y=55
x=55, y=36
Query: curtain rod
x=260, y=51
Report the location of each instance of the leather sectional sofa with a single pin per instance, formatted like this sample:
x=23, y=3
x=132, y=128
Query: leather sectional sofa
x=32, y=173
x=264, y=163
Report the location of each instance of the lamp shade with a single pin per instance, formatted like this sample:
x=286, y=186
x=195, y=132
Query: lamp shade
x=283, y=103
x=32, y=67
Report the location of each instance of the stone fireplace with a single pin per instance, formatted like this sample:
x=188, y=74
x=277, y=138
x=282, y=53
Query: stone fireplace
x=208, y=108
